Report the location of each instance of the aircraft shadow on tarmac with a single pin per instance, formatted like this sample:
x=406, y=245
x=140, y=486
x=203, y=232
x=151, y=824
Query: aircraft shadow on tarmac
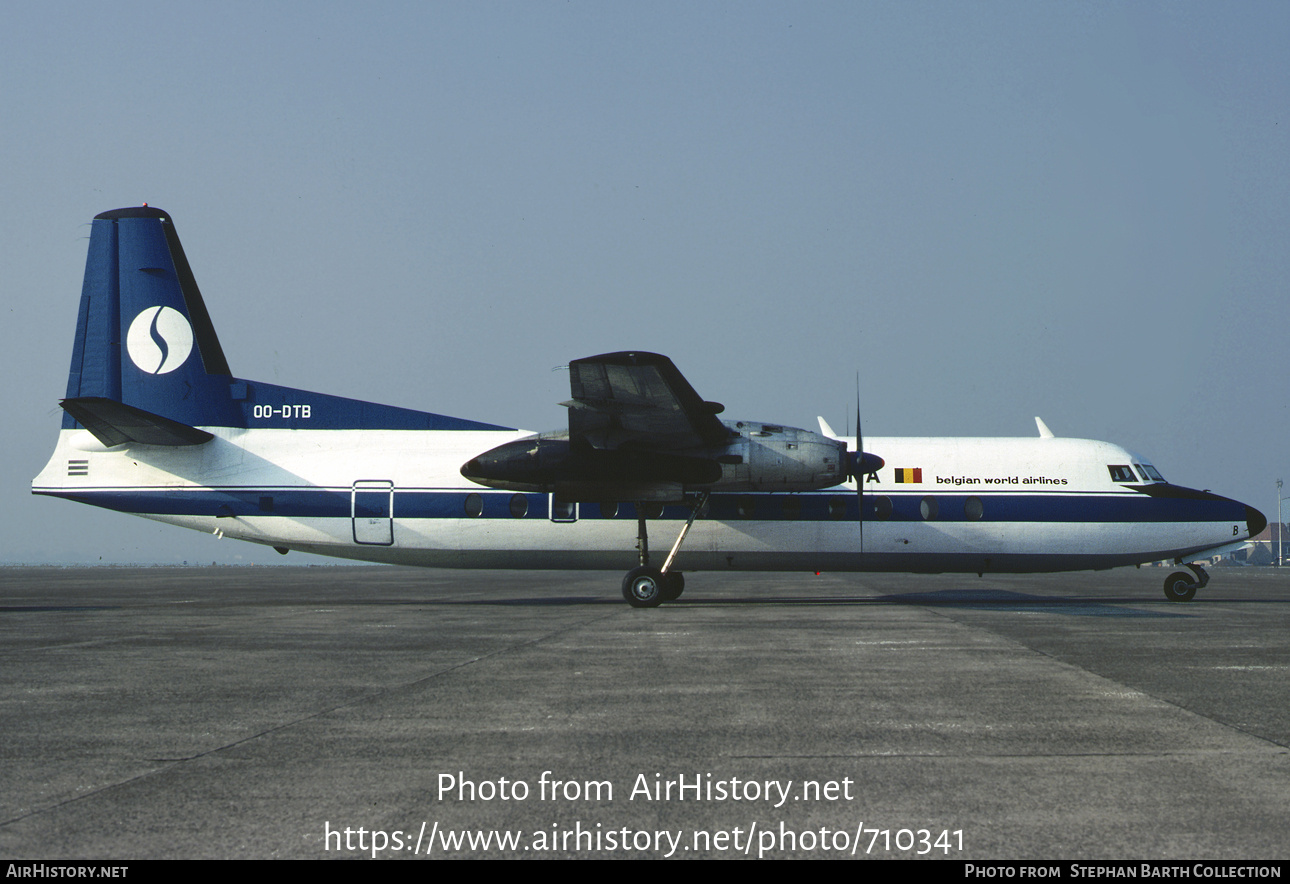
x=1007, y=600
x=972, y=599
x=45, y=609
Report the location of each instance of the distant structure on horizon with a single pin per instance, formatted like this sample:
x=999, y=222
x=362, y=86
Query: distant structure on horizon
x=1266, y=546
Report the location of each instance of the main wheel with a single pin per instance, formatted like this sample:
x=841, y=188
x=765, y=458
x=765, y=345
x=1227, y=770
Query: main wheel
x=1180, y=587
x=673, y=585
x=643, y=587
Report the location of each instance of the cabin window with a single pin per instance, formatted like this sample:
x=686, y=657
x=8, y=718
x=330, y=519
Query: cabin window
x=474, y=506
x=1122, y=473
x=882, y=507
x=649, y=510
x=973, y=509
x=929, y=509
x=791, y=507
x=563, y=510
x=519, y=506
x=837, y=507
x=608, y=509
x=747, y=507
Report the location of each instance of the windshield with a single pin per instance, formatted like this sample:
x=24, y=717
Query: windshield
x=1148, y=472
x=1145, y=473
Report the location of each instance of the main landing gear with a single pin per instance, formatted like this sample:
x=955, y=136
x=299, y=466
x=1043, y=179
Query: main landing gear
x=1181, y=586
x=648, y=587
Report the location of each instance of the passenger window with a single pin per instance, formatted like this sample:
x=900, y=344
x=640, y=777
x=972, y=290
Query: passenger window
x=973, y=509
x=837, y=507
x=791, y=507
x=747, y=506
x=563, y=510
x=474, y=506
x=882, y=508
x=929, y=509
x=519, y=506
x=649, y=510
x=1122, y=474
x=608, y=510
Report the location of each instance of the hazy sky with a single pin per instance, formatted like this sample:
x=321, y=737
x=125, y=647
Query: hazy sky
x=990, y=210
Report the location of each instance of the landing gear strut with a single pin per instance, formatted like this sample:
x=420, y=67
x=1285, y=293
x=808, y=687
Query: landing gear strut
x=1181, y=586
x=648, y=587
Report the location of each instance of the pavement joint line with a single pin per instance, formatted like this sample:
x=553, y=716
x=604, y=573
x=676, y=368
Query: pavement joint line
x=1109, y=680
x=181, y=760
x=1180, y=753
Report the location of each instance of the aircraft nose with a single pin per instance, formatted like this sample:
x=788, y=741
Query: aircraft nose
x=1255, y=520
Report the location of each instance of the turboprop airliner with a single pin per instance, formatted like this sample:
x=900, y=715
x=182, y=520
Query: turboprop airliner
x=156, y=424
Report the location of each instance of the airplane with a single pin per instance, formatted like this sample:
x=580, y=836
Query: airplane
x=155, y=424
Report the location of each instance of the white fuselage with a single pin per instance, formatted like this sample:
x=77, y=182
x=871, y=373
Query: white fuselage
x=397, y=496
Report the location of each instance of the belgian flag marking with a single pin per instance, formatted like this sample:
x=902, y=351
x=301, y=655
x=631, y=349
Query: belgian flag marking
x=907, y=475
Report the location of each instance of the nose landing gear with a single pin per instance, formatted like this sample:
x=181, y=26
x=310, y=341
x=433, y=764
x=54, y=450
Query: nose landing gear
x=1181, y=586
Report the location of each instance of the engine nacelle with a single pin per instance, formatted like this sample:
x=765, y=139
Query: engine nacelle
x=758, y=457
x=771, y=457
x=550, y=463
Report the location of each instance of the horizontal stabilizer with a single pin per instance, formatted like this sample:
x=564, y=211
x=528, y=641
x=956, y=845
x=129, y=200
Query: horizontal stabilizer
x=115, y=423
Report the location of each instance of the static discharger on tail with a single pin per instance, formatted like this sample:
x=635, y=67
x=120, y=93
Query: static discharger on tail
x=156, y=424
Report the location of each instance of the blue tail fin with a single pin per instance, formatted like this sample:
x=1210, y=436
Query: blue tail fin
x=143, y=337
x=147, y=366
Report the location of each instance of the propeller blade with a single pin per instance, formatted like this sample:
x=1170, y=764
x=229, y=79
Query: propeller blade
x=859, y=465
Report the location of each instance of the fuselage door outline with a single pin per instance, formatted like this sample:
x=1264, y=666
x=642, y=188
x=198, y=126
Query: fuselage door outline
x=371, y=507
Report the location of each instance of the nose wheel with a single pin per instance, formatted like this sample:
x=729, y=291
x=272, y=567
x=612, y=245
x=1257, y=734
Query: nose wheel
x=1181, y=586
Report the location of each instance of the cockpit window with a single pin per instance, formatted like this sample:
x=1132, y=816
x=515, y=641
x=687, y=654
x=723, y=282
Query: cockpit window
x=1149, y=473
x=1121, y=473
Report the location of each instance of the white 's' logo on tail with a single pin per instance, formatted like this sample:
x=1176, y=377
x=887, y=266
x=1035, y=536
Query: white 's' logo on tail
x=159, y=340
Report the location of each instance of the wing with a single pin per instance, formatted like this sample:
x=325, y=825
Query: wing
x=639, y=399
